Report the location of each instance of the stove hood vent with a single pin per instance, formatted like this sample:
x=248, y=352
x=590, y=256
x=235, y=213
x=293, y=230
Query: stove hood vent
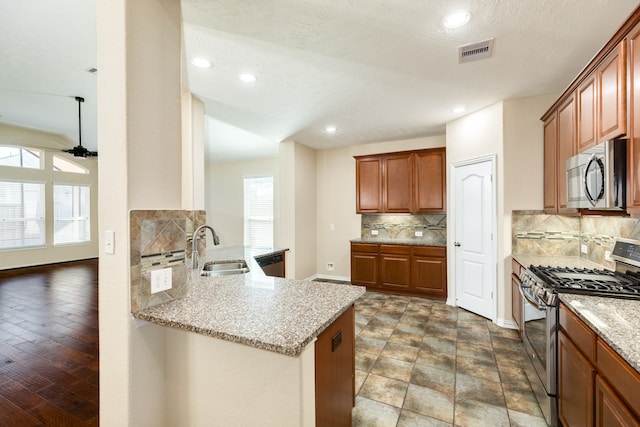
x=475, y=51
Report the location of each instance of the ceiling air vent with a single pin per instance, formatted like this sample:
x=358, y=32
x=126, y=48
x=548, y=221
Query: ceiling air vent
x=475, y=51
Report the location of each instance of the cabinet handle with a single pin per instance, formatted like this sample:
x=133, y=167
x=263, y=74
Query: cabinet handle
x=336, y=341
x=456, y=243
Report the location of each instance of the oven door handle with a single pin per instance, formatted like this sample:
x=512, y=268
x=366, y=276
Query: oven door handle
x=539, y=305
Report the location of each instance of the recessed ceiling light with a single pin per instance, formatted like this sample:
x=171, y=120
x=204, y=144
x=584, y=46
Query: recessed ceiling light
x=248, y=77
x=457, y=19
x=458, y=110
x=331, y=129
x=201, y=62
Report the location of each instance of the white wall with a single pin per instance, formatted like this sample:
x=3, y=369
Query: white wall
x=225, y=195
x=511, y=130
x=49, y=144
x=336, y=189
x=139, y=134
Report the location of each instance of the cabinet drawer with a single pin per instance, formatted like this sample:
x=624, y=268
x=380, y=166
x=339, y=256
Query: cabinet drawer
x=395, y=249
x=430, y=251
x=620, y=374
x=516, y=267
x=364, y=247
x=581, y=335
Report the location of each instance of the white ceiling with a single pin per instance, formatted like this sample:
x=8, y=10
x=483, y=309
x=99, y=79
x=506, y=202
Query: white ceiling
x=378, y=70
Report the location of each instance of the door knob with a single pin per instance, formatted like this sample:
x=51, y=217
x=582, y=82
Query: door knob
x=456, y=243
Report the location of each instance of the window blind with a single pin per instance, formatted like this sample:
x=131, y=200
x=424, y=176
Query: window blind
x=21, y=214
x=71, y=212
x=258, y=211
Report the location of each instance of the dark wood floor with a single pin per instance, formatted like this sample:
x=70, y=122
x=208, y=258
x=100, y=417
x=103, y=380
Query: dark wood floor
x=49, y=345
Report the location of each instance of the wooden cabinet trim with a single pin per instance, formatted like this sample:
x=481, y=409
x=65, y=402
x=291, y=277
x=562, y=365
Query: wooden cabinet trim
x=430, y=251
x=576, y=378
x=610, y=410
x=582, y=336
x=618, y=372
x=364, y=247
x=395, y=249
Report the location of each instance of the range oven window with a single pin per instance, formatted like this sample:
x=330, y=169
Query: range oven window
x=535, y=331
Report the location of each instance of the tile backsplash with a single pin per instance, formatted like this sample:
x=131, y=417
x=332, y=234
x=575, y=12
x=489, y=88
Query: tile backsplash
x=159, y=240
x=537, y=233
x=403, y=227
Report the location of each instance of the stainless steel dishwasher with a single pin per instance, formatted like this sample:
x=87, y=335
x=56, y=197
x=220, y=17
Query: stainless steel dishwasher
x=272, y=264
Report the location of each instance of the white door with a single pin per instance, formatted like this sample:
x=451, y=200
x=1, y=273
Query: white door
x=473, y=236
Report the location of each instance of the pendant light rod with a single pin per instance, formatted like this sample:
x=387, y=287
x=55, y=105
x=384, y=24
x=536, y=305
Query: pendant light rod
x=80, y=101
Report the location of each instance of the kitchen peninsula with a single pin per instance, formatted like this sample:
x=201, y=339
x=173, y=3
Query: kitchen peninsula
x=249, y=349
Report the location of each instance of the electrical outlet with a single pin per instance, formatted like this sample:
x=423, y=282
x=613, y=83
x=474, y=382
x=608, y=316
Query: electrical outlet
x=332, y=226
x=330, y=266
x=418, y=233
x=374, y=232
x=160, y=280
x=583, y=249
x=607, y=256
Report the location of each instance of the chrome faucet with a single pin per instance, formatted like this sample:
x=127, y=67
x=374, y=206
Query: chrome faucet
x=194, y=243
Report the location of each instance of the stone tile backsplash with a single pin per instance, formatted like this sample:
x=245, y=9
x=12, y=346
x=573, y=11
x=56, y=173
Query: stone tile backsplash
x=159, y=240
x=403, y=227
x=537, y=233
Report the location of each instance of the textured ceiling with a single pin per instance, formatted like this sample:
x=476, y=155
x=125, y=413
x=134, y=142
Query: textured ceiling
x=376, y=69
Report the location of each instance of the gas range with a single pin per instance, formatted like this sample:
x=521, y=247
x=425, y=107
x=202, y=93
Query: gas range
x=589, y=281
x=546, y=282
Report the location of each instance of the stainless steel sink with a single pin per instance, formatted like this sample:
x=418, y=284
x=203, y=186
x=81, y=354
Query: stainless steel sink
x=224, y=268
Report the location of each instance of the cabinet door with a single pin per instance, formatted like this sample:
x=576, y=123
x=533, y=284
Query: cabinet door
x=575, y=385
x=566, y=149
x=430, y=276
x=612, y=94
x=429, y=169
x=397, y=185
x=633, y=144
x=395, y=267
x=586, y=102
x=364, y=264
x=369, y=185
x=610, y=410
x=550, y=165
x=335, y=372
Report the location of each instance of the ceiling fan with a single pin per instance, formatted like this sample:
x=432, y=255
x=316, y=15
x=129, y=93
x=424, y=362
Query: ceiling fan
x=79, y=150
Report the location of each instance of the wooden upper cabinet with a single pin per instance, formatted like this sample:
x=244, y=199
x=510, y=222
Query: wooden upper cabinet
x=550, y=165
x=397, y=184
x=586, y=104
x=369, y=184
x=403, y=182
x=430, y=181
x=633, y=144
x=611, y=83
x=566, y=149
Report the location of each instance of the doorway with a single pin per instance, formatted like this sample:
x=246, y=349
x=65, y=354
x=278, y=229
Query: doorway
x=474, y=196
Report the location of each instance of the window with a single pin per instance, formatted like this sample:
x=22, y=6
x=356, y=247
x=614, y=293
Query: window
x=258, y=211
x=20, y=157
x=63, y=165
x=71, y=207
x=21, y=214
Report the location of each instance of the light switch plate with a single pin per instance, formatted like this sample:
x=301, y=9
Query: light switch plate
x=160, y=280
x=109, y=242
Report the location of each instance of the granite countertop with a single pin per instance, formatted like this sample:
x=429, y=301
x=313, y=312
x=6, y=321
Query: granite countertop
x=615, y=320
x=406, y=242
x=268, y=313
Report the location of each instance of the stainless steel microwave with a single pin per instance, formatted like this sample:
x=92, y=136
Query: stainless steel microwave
x=597, y=177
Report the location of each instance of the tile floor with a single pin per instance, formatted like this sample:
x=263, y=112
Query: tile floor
x=421, y=362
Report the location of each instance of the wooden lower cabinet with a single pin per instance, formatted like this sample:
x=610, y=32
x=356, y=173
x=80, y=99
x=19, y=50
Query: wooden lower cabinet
x=395, y=267
x=575, y=385
x=364, y=264
x=596, y=387
x=610, y=409
x=335, y=372
x=402, y=269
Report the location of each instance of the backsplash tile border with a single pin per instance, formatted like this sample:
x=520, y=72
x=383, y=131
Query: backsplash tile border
x=403, y=227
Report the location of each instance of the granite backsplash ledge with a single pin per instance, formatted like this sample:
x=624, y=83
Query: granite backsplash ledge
x=404, y=228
